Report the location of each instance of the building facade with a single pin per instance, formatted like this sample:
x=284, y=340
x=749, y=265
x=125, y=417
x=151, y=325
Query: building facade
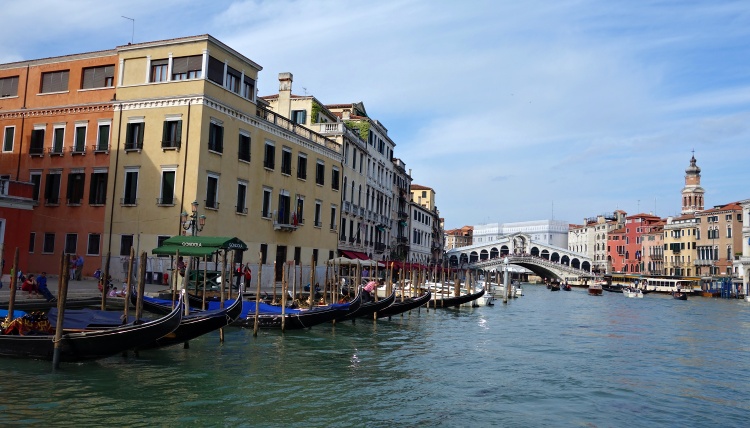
x=718, y=239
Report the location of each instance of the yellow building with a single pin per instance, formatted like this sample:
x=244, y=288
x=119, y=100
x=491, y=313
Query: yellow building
x=680, y=234
x=188, y=127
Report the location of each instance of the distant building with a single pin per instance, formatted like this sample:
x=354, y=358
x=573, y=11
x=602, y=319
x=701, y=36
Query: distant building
x=652, y=242
x=742, y=262
x=718, y=239
x=460, y=237
x=550, y=232
x=625, y=249
x=692, y=193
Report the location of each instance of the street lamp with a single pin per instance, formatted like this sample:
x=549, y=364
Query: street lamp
x=193, y=222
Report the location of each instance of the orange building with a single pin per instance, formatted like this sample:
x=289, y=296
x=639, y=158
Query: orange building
x=56, y=117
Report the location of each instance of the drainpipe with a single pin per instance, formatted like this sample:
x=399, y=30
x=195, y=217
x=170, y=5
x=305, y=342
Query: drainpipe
x=23, y=122
x=184, y=164
x=114, y=186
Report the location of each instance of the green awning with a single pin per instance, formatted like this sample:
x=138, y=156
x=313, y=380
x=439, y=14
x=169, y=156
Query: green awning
x=171, y=250
x=198, y=245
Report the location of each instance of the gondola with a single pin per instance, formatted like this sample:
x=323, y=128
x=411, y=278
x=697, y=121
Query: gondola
x=369, y=308
x=31, y=305
x=90, y=345
x=679, y=295
x=615, y=288
x=450, y=302
x=409, y=303
x=566, y=287
x=270, y=316
x=555, y=286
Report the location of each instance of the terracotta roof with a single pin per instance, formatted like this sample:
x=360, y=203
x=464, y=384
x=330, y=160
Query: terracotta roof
x=419, y=187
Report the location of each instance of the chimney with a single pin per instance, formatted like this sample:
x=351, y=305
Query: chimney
x=285, y=95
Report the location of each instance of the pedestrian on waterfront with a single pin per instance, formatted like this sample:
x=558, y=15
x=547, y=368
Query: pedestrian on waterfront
x=29, y=285
x=72, y=267
x=238, y=275
x=248, y=274
x=98, y=274
x=365, y=273
x=180, y=266
x=112, y=292
x=41, y=286
x=79, y=268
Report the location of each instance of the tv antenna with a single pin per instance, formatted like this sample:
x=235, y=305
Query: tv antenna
x=132, y=33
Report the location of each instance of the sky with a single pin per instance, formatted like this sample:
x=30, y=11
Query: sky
x=511, y=111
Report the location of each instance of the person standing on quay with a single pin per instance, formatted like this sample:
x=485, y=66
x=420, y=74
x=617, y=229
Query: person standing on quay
x=79, y=268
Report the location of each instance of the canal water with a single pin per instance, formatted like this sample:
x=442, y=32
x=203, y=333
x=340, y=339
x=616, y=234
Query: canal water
x=545, y=359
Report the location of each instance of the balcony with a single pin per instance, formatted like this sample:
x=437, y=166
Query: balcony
x=36, y=151
x=100, y=148
x=171, y=145
x=284, y=221
x=403, y=215
x=379, y=247
x=55, y=151
x=701, y=262
x=402, y=240
x=133, y=146
x=78, y=150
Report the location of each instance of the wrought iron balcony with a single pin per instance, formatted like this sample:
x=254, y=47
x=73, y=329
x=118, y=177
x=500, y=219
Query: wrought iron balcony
x=284, y=221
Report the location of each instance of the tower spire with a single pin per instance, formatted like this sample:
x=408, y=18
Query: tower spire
x=692, y=193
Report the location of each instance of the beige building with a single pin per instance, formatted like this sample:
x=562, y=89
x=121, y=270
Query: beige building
x=718, y=240
x=652, y=242
x=188, y=127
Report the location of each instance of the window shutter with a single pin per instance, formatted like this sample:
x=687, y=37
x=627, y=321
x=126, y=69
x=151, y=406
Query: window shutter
x=187, y=63
x=165, y=133
x=215, y=70
x=178, y=136
x=9, y=86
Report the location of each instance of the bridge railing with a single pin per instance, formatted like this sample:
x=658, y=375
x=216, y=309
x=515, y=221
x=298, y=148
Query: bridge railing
x=515, y=259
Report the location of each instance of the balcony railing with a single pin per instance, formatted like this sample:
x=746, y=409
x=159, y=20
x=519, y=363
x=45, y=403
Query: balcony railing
x=36, y=151
x=104, y=148
x=133, y=146
x=165, y=201
x=284, y=221
x=128, y=202
x=702, y=262
x=171, y=144
x=78, y=150
x=379, y=247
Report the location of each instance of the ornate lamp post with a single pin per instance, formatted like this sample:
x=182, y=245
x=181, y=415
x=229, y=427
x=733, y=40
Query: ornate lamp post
x=193, y=222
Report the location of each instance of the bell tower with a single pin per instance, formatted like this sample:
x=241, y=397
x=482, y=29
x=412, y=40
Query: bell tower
x=692, y=193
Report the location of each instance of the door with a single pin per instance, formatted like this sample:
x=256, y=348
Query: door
x=280, y=260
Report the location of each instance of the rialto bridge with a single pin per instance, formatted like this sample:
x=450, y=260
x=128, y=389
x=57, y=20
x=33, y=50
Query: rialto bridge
x=544, y=260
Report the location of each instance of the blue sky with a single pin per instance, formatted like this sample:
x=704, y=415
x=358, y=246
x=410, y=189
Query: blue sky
x=510, y=110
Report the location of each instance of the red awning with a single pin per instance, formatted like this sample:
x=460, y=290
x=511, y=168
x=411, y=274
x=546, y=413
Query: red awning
x=354, y=255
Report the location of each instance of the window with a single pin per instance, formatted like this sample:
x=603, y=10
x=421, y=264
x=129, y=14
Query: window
x=102, y=137
x=159, y=70
x=212, y=192
x=160, y=241
x=297, y=255
x=52, y=188
x=92, y=249
x=215, y=71
x=98, y=77
x=729, y=231
x=269, y=157
x=49, y=243
x=302, y=166
x=320, y=173
x=55, y=81
x=36, y=179
x=333, y=217
x=266, y=210
x=134, y=136
x=335, y=178
x=284, y=210
x=286, y=161
x=243, y=152
x=263, y=253
x=37, y=140
x=131, y=188
x=315, y=256
x=79, y=142
x=300, y=211
x=76, y=181
x=187, y=67
x=167, y=187
x=232, y=81
x=318, y=223
x=9, y=86
x=241, y=197
x=58, y=137
x=216, y=137
x=98, y=188
x=71, y=243
x=126, y=243
x=32, y=241
x=8, y=137
x=172, y=134
x=299, y=116
x=248, y=88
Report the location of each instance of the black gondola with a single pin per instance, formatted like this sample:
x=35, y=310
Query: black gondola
x=409, y=303
x=270, y=316
x=369, y=308
x=679, y=295
x=90, y=345
x=614, y=288
x=450, y=302
x=566, y=287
